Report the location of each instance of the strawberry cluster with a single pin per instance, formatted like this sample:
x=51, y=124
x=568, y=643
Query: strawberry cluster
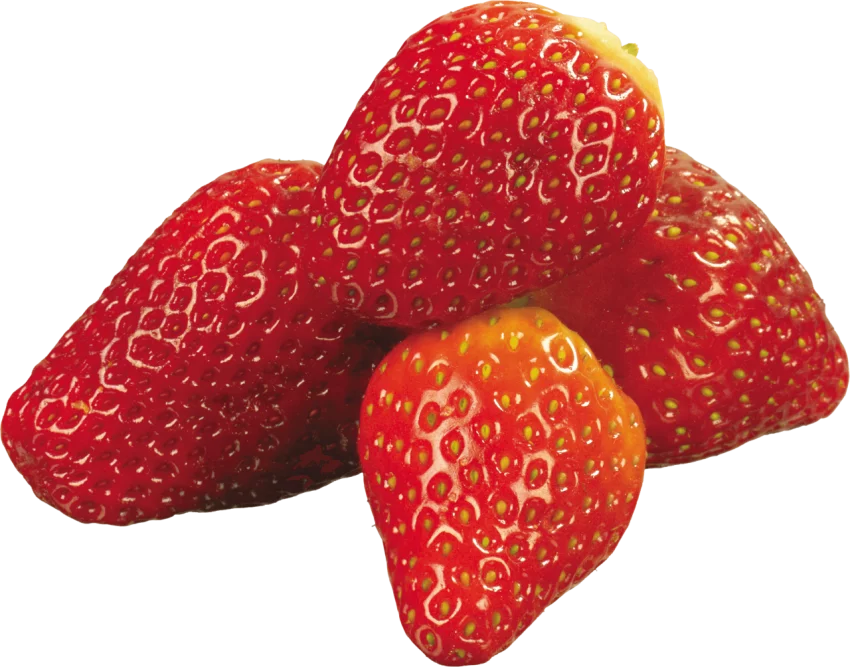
x=292, y=324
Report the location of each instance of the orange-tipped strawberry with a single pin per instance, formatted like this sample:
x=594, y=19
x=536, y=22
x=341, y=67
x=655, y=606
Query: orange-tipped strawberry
x=502, y=465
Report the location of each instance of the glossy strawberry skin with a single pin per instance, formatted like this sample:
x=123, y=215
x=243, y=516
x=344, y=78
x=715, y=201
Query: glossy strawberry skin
x=496, y=152
x=207, y=375
x=708, y=321
x=502, y=465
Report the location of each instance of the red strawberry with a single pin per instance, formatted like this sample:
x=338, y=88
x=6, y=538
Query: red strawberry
x=207, y=375
x=708, y=320
x=502, y=465
x=504, y=146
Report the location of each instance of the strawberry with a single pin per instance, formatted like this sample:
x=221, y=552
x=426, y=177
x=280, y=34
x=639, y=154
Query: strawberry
x=207, y=375
x=504, y=146
x=708, y=320
x=502, y=465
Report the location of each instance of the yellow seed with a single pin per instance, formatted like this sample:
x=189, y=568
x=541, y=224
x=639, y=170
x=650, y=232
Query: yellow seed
x=501, y=507
x=643, y=332
x=547, y=89
x=670, y=404
x=659, y=370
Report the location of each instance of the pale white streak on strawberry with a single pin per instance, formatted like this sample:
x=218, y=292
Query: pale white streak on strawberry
x=547, y=347
x=350, y=286
x=520, y=488
x=439, y=572
x=578, y=145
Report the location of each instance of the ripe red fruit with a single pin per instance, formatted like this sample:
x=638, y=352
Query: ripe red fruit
x=207, y=375
x=709, y=322
x=502, y=465
x=504, y=146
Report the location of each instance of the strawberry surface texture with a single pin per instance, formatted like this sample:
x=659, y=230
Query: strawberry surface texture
x=207, y=375
x=504, y=146
x=502, y=465
x=708, y=320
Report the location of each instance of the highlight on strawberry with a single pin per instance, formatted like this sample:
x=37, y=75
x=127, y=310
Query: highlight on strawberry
x=503, y=147
x=502, y=465
x=207, y=375
x=708, y=320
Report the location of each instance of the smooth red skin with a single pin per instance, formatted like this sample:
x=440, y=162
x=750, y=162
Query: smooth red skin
x=412, y=279
x=194, y=383
x=602, y=474
x=611, y=300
